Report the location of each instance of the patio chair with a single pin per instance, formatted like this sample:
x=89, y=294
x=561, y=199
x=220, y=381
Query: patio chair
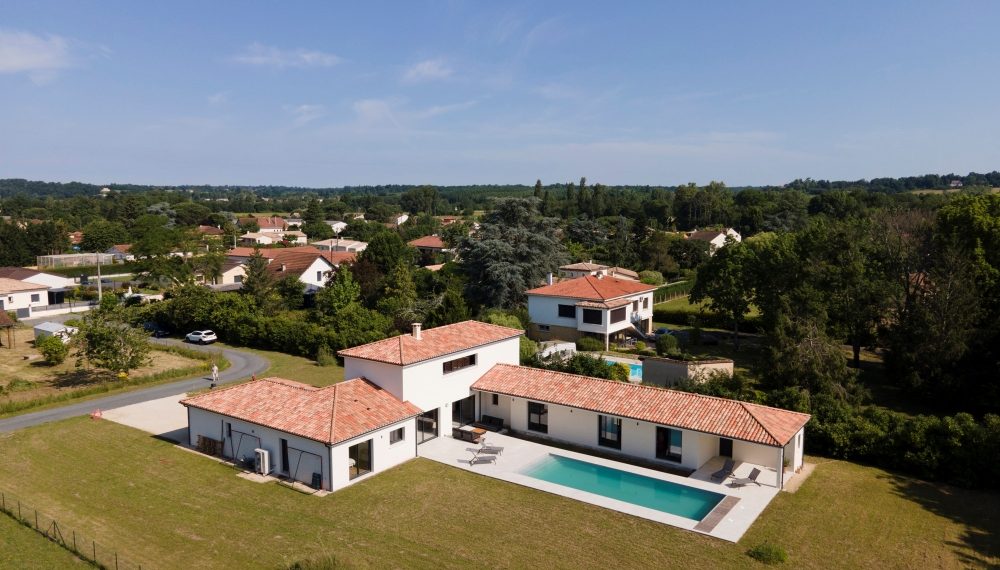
x=726, y=471
x=476, y=459
x=743, y=481
x=491, y=449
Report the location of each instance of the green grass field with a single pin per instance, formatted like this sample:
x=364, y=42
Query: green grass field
x=23, y=548
x=296, y=368
x=168, y=508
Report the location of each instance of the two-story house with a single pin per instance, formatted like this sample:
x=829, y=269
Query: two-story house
x=403, y=391
x=594, y=305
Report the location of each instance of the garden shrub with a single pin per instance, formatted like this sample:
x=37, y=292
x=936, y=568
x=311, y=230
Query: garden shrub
x=589, y=344
x=324, y=357
x=768, y=553
x=666, y=344
x=651, y=277
x=53, y=349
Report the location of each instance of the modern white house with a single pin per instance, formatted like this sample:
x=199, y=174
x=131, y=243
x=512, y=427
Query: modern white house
x=310, y=265
x=411, y=389
x=21, y=297
x=57, y=285
x=715, y=238
x=659, y=425
x=340, y=244
x=594, y=305
x=582, y=269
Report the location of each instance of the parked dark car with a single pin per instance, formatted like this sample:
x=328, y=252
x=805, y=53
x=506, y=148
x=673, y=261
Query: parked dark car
x=154, y=329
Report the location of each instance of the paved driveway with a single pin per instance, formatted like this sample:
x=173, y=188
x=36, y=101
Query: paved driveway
x=165, y=417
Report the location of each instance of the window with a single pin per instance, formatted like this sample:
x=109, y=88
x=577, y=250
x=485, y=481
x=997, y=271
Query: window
x=609, y=432
x=496, y=399
x=592, y=317
x=319, y=276
x=238, y=279
x=543, y=328
x=645, y=302
x=459, y=363
x=397, y=435
x=668, y=443
x=635, y=306
x=567, y=311
x=538, y=417
x=34, y=297
x=618, y=315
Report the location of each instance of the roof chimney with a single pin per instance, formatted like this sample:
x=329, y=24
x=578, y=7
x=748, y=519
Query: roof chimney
x=548, y=280
x=416, y=331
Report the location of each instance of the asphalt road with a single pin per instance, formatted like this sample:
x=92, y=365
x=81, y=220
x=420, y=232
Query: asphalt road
x=241, y=365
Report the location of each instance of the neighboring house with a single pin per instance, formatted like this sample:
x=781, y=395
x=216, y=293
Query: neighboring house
x=57, y=285
x=266, y=225
x=340, y=244
x=309, y=264
x=410, y=389
x=21, y=297
x=231, y=273
x=585, y=268
x=61, y=330
x=429, y=244
x=448, y=220
x=293, y=221
x=121, y=252
x=715, y=238
x=210, y=231
x=294, y=236
x=75, y=238
x=259, y=238
x=605, y=307
x=336, y=225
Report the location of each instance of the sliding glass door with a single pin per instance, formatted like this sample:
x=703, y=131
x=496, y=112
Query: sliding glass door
x=360, y=459
x=427, y=428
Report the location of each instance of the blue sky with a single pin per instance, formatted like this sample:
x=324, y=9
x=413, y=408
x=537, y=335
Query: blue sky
x=327, y=94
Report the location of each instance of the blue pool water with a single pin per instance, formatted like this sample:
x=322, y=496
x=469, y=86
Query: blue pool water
x=665, y=496
x=635, y=370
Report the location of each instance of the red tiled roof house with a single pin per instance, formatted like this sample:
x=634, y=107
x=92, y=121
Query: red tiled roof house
x=595, y=305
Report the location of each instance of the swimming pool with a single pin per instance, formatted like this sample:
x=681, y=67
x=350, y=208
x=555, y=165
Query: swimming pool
x=672, y=498
x=634, y=370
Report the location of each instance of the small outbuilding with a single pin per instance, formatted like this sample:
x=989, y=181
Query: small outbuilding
x=48, y=328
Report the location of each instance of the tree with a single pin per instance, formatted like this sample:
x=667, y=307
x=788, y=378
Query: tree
x=514, y=249
x=420, y=200
x=258, y=283
x=451, y=309
x=292, y=292
x=399, y=298
x=340, y=291
x=53, y=349
x=107, y=341
x=726, y=282
x=99, y=236
x=800, y=354
x=386, y=251
x=655, y=254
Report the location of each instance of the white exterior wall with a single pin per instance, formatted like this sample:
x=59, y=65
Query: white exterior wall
x=50, y=281
x=795, y=449
x=427, y=386
x=229, y=277
x=580, y=427
x=388, y=376
x=22, y=299
x=210, y=424
x=501, y=410
x=544, y=310
x=384, y=454
x=309, y=275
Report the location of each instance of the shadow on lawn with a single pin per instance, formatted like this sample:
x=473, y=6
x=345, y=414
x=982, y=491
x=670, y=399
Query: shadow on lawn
x=977, y=510
x=77, y=378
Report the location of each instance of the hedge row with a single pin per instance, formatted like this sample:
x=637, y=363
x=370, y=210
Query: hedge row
x=672, y=290
x=705, y=318
x=956, y=449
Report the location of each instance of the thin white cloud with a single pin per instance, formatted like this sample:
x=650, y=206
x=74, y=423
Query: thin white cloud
x=218, y=98
x=261, y=55
x=436, y=110
x=304, y=114
x=426, y=70
x=38, y=56
x=375, y=113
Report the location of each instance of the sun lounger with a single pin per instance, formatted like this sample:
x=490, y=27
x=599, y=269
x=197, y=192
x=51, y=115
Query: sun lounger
x=742, y=481
x=491, y=449
x=476, y=459
x=726, y=470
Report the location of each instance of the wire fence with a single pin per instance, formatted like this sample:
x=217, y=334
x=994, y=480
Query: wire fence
x=80, y=544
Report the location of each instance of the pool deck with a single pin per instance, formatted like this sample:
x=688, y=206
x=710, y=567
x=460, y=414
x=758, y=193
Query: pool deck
x=728, y=521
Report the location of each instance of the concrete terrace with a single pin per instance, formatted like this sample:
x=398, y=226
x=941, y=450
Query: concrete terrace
x=744, y=504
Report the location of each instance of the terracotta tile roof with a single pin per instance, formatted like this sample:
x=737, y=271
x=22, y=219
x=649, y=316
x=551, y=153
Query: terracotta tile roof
x=270, y=222
x=210, y=231
x=705, y=235
x=624, y=272
x=337, y=257
x=592, y=288
x=291, y=261
x=439, y=341
x=330, y=415
x=122, y=247
x=718, y=416
x=429, y=242
x=270, y=252
x=583, y=266
x=15, y=286
x=19, y=273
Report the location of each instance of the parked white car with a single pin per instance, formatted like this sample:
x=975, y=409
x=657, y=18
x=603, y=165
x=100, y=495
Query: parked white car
x=202, y=337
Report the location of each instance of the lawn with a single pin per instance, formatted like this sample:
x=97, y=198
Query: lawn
x=296, y=368
x=21, y=547
x=27, y=382
x=169, y=508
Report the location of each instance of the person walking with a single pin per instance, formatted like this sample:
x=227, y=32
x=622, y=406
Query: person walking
x=215, y=374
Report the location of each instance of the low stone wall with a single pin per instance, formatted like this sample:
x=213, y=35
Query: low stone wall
x=659, y=371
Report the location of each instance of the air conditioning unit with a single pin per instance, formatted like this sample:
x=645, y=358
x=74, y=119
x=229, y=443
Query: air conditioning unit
x=262, y=461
